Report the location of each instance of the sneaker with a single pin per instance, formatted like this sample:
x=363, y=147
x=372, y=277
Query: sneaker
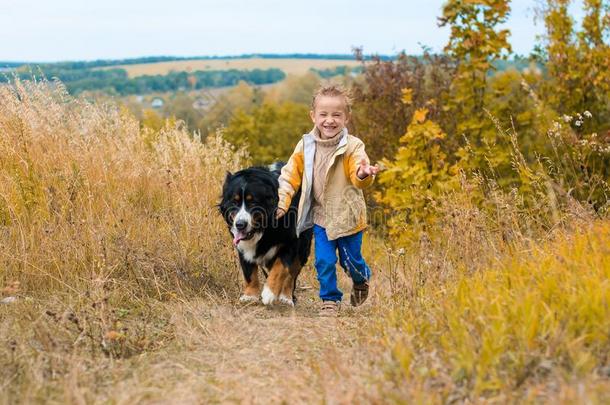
x=329, y=308
x=360, y=293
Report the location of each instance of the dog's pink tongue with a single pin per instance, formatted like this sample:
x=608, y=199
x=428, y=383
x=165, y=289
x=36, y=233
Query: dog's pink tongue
x=238, y=238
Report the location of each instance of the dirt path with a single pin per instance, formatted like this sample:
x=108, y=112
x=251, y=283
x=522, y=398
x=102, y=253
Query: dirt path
x=254, y=354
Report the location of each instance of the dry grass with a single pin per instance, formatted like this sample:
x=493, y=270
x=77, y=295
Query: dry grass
x=124, y=285
x=85, y=194
x=288, y=65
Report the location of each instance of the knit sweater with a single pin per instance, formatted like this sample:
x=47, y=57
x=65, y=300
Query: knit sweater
x=325, y=148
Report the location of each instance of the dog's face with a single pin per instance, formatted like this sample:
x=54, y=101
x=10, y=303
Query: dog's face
x=249, y=200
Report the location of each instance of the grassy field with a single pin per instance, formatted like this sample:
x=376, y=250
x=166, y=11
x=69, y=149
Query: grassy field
x=119, y=284
x=288, y=65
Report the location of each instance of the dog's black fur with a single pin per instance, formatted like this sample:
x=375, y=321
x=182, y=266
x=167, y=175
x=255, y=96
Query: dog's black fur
x=249, y=202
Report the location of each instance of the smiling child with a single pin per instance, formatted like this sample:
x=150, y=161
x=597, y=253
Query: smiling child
x=331, y=167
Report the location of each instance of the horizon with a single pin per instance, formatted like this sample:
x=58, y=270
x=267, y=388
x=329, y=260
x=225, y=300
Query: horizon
x=330, y=56
x=203, y=57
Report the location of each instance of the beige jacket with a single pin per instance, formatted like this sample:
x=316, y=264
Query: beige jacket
x=344, y=203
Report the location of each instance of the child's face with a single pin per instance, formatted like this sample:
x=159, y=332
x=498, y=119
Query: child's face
x=329, y=115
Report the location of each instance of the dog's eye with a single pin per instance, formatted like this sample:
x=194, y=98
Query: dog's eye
x=237, y=198
x=249, y=197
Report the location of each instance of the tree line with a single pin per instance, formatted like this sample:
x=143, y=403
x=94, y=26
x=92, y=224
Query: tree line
x=117, y=82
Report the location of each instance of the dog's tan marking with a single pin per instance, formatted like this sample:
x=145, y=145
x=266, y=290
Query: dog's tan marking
x=249, y=197
x=288, y=285
x=237, y=197
x=277, y=275
x=253, y=288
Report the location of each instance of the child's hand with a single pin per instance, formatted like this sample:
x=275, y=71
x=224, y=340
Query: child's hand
x=279, y=213
x=365, y=170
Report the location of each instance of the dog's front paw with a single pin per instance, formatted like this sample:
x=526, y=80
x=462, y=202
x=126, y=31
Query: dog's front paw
x=286, y=300
x=268, y=297
x=248, y=298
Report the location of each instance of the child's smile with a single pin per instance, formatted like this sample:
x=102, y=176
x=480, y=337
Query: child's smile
x=330, y=115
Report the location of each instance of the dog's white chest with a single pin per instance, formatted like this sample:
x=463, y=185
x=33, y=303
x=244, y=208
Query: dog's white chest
x=248, y=250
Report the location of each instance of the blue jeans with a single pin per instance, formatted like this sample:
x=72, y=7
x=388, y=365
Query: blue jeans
x=326, y=259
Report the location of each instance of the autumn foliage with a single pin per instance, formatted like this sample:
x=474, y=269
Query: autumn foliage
x=539, y=131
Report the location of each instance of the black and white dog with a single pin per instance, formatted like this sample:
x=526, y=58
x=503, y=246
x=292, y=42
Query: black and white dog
x=249, y=201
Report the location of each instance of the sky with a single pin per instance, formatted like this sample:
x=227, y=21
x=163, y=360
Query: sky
x=46, y=31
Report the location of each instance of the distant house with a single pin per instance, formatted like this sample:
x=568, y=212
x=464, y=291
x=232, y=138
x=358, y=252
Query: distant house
x=201, y=104
x=157, y=102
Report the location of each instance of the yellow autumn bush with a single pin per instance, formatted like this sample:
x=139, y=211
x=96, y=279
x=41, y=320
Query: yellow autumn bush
x=540, y=312
x=414, y=181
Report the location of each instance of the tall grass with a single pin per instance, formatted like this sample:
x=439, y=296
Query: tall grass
x=85, y=194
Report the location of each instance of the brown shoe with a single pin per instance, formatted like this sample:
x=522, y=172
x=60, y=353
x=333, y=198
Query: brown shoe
x=329, y=308
x=360, y=293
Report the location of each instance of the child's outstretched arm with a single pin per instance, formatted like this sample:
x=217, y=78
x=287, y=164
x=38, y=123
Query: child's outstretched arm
x=365, y=170
x=290, y=179
x=361, y=173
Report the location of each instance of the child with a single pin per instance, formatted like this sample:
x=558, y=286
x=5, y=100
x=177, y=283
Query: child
x=332, y=168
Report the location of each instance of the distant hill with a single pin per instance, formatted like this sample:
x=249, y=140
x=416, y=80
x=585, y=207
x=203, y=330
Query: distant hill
x=4, y=66
x=156, y=59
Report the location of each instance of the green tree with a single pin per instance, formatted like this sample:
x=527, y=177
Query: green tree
x=270, y=131
x=476, y=42
x=577, y=61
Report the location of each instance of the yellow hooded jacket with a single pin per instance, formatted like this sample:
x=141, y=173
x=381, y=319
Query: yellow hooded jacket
x=344, y=204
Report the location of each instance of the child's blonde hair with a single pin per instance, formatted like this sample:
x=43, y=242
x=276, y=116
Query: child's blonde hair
x=333, y=90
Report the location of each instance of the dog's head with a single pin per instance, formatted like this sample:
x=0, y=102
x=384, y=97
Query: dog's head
x=249, y=201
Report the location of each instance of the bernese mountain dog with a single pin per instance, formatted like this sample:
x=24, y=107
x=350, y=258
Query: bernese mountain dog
x=249, y=201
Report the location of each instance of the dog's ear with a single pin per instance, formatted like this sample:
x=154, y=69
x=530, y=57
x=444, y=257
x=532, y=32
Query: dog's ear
x=227, y=180
x=228, y=177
